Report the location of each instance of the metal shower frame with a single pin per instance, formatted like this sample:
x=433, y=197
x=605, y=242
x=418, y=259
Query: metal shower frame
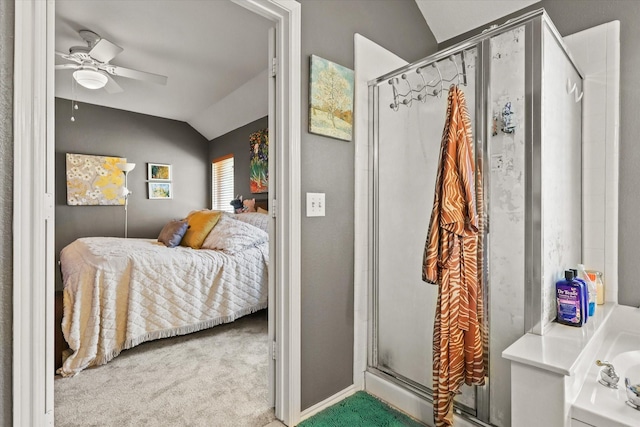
x=534, y=23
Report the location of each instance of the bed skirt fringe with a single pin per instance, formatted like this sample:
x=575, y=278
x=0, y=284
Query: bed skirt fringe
x=167, y=333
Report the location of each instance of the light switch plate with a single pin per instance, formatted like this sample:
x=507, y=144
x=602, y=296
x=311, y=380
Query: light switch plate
x=315, y=204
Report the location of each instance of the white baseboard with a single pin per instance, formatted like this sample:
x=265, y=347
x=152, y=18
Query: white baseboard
x=405, y=401
x=339, y=396
x=398, y=397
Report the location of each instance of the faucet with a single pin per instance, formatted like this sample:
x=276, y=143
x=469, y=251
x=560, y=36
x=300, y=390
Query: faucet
x=633, y=393
x=608, y=376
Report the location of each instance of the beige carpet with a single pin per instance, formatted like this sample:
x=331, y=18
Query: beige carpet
x=212, y=378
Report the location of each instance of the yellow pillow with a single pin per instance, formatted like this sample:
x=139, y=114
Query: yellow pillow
x=200, y=224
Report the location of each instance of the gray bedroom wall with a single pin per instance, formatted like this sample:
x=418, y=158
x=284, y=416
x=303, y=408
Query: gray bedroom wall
x=6, y=208
x=141, y=139
x=236, y=142
x=328, y=28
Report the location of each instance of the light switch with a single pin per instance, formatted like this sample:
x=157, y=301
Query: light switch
x=315, y=204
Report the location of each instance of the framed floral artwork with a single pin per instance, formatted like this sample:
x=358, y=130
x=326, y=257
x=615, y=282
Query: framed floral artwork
x=94, y=180
x=259, y=161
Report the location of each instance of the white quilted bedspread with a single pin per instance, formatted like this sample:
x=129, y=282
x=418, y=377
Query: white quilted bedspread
x=119, y=293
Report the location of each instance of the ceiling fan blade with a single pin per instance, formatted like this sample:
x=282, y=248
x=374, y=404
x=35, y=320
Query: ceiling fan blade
x=67, y=67
x=68, y=57
x=112, y=86
x=134, y=74
x=104, y=51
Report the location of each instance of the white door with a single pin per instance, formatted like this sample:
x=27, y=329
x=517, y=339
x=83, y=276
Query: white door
x=273, y=223
x=33, y=219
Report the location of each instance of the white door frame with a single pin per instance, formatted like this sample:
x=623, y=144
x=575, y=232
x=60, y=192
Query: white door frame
x=33, y=194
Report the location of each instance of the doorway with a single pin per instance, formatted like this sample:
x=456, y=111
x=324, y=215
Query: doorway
x=34, y=209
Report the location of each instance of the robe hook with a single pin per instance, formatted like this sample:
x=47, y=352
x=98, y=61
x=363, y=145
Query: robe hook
x=408, y=100
x=434, y=65
x=453, y=59
x=394, y=105
x=424, y=87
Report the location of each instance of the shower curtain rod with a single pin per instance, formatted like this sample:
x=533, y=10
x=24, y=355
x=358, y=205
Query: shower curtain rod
x=473, y=41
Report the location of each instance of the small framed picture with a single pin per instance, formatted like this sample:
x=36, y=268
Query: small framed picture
x=331, y=89
x=160, y=190
x=158, y=172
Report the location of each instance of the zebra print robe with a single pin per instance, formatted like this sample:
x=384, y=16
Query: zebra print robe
x=451, y=261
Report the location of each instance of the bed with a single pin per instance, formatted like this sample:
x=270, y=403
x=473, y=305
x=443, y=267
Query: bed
x=119, y=293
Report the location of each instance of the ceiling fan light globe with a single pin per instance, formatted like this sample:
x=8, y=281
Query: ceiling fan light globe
x=90, y=79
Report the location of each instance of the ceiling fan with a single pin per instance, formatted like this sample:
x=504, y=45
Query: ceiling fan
x=92, y=67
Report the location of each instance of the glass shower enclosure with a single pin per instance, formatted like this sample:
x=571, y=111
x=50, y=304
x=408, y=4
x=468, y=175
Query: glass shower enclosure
x=523, y=94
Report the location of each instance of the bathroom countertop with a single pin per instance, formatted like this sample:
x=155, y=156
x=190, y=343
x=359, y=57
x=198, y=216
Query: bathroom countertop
x=559, y=349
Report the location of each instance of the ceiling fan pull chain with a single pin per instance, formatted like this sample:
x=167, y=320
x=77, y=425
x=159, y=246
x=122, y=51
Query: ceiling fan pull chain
x=74, y=103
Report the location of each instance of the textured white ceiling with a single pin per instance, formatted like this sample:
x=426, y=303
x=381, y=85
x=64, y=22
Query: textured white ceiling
x=450, y=18
x=207, y=49
x=212, y=51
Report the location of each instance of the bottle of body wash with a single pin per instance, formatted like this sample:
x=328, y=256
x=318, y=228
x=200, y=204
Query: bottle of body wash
x=570, y=301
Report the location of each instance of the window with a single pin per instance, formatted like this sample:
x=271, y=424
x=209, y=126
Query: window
x=222, y=183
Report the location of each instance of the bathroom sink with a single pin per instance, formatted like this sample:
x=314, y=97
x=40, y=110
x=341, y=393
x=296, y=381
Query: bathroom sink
x=601, y=406
x=627, y=365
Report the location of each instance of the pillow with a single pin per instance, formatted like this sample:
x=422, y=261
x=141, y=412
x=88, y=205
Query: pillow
x=200, y=224
x=263, y=211
x=249, y=205
x=256, y=219
x=172, y=232
x=232, y=236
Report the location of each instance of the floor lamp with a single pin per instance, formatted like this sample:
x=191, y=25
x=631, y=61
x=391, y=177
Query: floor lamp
x=126, y=168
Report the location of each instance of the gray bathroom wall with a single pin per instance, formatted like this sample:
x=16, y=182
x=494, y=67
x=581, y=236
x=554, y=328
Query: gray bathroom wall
x=236, y=142
x=569, y=17
x=6, y=208
x=141, y=139
x=328, y=28
x=573, y=16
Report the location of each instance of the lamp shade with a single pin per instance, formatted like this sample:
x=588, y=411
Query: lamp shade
x=126, y=167
x=91, y=79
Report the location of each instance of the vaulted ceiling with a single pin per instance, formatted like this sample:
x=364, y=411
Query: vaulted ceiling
x=450, y=18
x=209, y=50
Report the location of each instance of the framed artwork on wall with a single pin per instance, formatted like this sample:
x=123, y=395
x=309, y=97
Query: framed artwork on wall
x=94, y=180
x=158, y=172
x=160, y=190
x=331, y=89
x=259, y=161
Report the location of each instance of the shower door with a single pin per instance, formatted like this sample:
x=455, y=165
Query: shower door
x=406, y=149
x=523, y=96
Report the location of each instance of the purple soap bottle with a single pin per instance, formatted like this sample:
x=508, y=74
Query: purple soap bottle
x=571, y=309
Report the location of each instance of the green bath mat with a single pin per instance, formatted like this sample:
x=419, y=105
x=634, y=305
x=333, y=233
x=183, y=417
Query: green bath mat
x=360, y=410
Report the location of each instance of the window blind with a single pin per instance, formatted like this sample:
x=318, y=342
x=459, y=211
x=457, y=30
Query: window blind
x=222, y=183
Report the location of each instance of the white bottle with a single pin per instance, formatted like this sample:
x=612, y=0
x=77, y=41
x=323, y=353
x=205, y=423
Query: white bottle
x=596, y=277
x=591, y=286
